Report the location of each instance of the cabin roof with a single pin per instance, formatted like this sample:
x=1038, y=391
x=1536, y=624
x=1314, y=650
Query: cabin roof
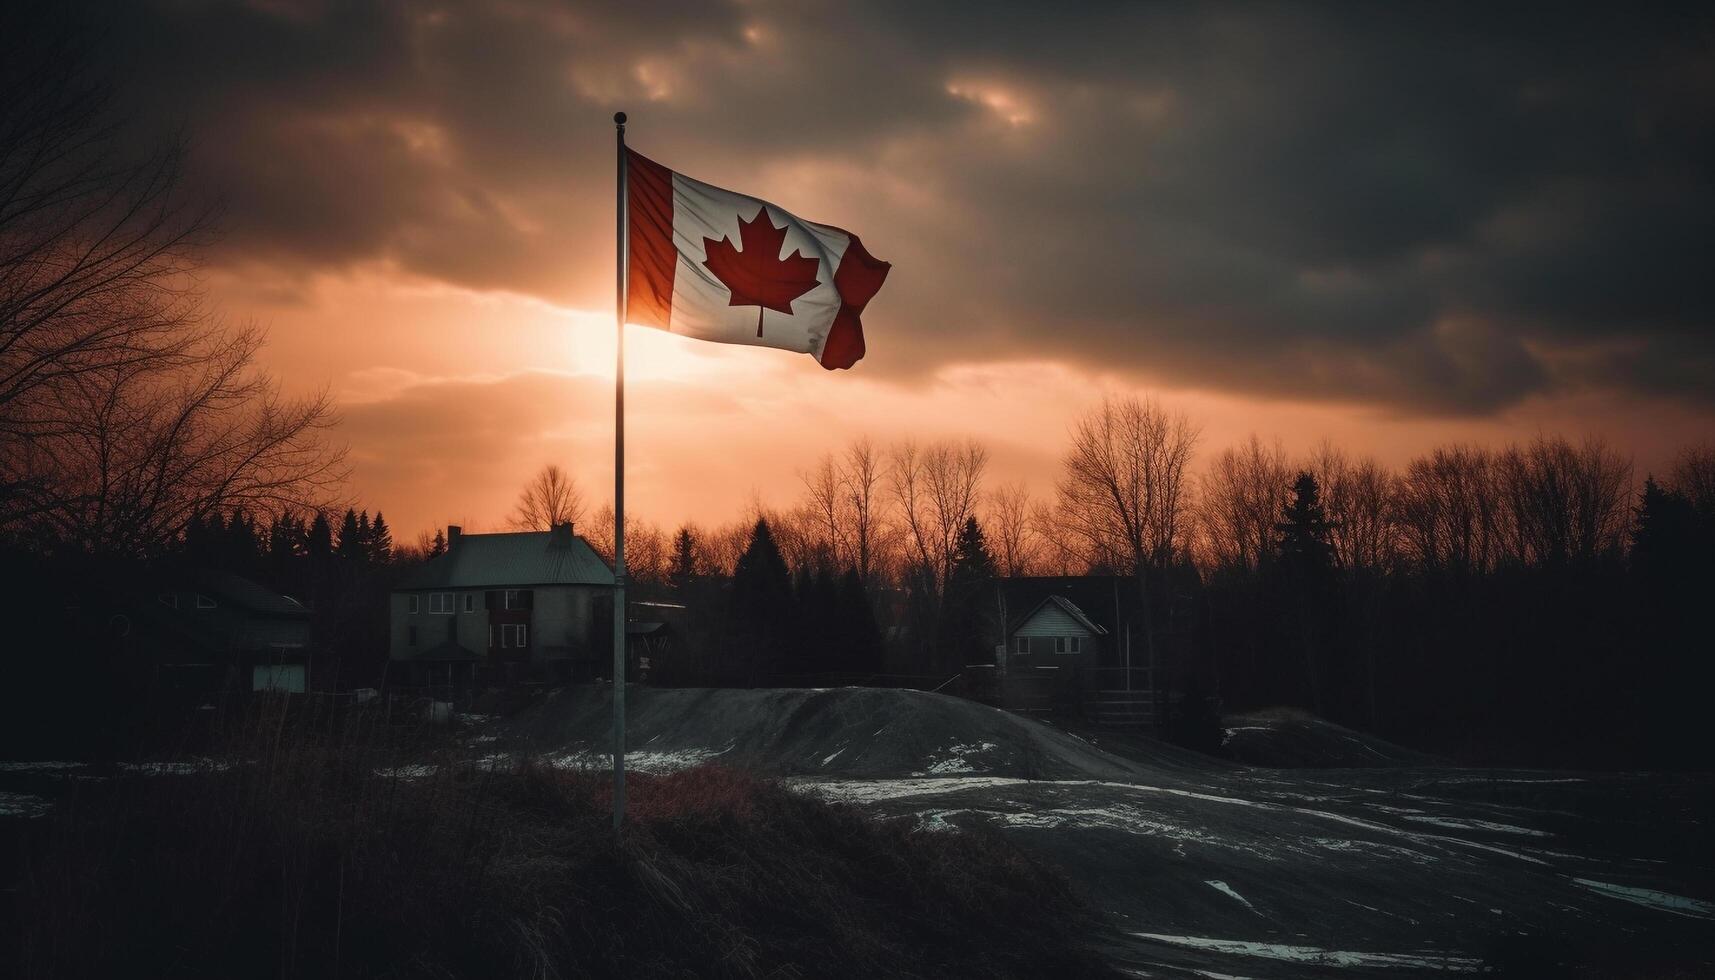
x=1067, y=606
x=510, y=560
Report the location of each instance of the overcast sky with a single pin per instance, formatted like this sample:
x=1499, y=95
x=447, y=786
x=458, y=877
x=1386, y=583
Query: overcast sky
x=1387, y=224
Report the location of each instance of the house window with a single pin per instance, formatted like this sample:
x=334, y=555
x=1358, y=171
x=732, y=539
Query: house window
x=1059, y=644
x=168, y=599
x=514, y=598
x=1077, y=644
x=411, y=604
x=514, y=636
x=470, y=602
x=1023, y=644
x=441, y=603
x=204, y=602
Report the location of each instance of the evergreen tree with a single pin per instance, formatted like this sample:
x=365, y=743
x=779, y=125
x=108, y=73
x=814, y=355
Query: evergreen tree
x=969, y=630
x=318, y=542
x=241, y=547
x=859, y=639
x=682, y=572
x=438, y=546
x=380, y=541
x=1664, y=537
x=350, y=537
x=203, y=541
x=764, y=613
x=1304, y=568
x=1303, y=546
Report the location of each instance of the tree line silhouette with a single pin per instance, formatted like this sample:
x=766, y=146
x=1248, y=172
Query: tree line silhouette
x=1531, y=602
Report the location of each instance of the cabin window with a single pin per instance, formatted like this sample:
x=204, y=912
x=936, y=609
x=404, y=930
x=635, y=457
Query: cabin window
x=1023, y=644
x=204, y=602
x=411, y=604
x=470, y=602
x=168, y=599
x=1060, y=644
x=514, y=636
x=441, y=603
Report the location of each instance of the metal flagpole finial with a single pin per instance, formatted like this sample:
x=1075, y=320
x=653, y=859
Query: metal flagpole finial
x=619, y=119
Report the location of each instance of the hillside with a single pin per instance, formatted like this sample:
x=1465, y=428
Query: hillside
x=1205, y=866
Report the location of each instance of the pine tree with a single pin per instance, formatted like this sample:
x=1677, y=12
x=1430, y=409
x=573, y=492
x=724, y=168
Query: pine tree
x=350, y=537
x=438, y=546
x=682, y=572
x=764, y=610
x=242, y=547
x=380, y=541
x=859, y=637
x=1305, y=568
x=969, y=629
x=1303, y=546
x=318, y=542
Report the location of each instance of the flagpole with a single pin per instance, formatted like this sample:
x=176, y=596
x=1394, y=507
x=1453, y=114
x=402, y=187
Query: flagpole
x=619, y=487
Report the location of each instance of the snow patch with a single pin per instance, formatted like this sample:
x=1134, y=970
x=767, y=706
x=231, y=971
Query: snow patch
x=174, y=768
x=1228, y=891
x=653, y=763
x=1663, y=901
x=1316, y=956
x=959, y=761
x=1465, y=823
x=39, y=766
x=22, y=805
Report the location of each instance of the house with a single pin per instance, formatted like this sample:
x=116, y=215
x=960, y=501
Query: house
x=1074, y=644
x=212, y=630
x=512, y=605
x=1054, y=631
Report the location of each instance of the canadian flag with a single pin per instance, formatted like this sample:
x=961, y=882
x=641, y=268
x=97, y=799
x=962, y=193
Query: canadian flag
x=711, y=264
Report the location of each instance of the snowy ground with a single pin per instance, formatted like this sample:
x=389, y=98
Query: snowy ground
x=1207, y=868
x=1212, y=869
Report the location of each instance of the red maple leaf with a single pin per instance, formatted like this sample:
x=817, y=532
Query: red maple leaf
x=757, y=275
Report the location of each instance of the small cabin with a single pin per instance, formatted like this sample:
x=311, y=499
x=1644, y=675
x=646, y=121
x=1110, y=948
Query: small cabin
x=1054, y=633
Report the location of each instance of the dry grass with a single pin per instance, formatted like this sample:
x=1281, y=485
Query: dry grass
x=302, y=851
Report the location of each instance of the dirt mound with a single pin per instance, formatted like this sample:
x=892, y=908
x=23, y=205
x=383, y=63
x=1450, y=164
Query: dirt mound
x=840, y=733
x=1284, y=738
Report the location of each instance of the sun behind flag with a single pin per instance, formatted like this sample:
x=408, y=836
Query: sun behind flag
x=711, y=264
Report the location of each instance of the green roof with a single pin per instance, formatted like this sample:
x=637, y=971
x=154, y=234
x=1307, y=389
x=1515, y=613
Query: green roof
x=498, y=561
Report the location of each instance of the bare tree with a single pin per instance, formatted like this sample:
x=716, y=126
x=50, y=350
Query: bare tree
x=1122, y=488
x=96, y=246
x=1243, y=492
x=551, y=497
x=1693, y=474
x=862, y=476
x=1012, y=533
x=144, y=449
x=1060, y=553
x=647, y=551
x=936, y=489
x=1564, y=502
x=1357, y=497
x=1449, y=511
x=826, y=505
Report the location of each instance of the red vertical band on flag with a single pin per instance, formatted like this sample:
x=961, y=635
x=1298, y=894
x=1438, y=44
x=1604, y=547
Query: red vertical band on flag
x=652, y=261
x=857, y=279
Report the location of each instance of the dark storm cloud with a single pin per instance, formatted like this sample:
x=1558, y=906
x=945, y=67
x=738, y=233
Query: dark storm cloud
x=1435, y=208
